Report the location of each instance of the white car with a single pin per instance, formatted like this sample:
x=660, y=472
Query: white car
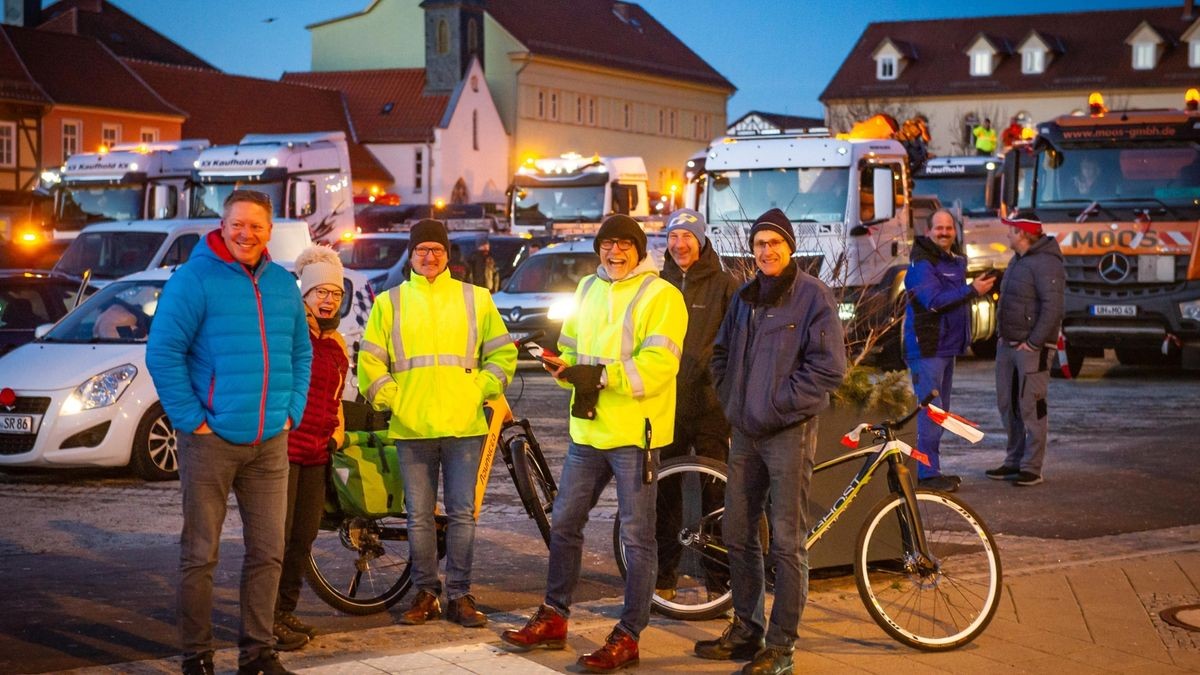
x=80, y=395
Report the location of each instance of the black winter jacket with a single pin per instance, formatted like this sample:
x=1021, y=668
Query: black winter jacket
x=707, y=290
x=1032, y=295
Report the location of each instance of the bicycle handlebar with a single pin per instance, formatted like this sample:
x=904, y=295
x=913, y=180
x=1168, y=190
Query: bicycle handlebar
x=897, y=424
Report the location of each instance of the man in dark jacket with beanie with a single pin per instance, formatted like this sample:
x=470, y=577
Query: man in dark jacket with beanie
x=779, y=353
x=694, y=268
x=936, y=330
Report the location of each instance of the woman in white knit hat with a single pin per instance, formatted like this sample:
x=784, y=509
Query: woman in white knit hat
x=320, y=431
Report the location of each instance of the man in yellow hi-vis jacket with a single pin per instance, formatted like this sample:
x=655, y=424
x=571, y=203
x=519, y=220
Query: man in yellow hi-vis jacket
x=433, y=350
x=620, y=353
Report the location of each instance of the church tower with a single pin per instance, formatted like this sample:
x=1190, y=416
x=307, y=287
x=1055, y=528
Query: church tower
x=453, y=36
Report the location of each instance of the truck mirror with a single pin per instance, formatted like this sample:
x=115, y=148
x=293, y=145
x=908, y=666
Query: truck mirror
x=885, y=205
x=302, y=202
x=163, y=201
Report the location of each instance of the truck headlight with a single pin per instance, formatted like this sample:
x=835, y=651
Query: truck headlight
x=100, y=390
x=561, y=309
x=1190, y=310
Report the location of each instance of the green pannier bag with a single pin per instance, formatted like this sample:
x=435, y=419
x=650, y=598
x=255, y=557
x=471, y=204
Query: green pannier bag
x=366, y=476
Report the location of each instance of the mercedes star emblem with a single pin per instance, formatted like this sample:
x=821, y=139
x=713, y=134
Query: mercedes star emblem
x=1114, y=267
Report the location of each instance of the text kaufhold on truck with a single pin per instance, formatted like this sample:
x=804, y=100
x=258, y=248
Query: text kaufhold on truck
x=572, y=193
x=1120, y=191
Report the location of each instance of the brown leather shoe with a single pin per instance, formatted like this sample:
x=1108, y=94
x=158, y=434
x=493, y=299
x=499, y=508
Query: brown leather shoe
x=462, y=611
x=620, y=650
x=770, y=661
x=546, y=629
x=425, y=607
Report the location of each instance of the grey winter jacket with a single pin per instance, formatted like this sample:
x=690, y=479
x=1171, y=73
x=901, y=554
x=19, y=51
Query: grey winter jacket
x=1032, y=295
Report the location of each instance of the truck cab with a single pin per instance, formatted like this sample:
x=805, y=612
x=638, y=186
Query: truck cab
x=572, y=194
x=306, y=175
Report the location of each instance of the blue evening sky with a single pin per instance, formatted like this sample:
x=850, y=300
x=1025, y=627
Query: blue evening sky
x=780, y=54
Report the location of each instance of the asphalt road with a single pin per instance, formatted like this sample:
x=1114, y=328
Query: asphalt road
x=88, y=558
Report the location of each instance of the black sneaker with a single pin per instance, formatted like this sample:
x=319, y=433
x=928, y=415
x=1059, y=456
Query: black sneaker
x=940, y=483
x=295, y=624
x=1027, y=478
x=286, y=639
x=266, y=664
x=733, y=645
x=1002, y=472
x=198, y=664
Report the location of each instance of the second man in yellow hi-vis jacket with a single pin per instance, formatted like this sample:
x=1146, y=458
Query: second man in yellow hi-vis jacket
x=434, y=349
x=620, y=353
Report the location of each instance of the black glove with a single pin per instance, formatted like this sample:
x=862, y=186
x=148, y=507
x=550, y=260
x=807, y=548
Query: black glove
x=587, y=389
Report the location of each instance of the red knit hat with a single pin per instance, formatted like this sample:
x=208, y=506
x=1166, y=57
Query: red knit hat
x=1025, y=224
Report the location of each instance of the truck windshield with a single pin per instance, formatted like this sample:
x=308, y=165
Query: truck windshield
x=208, y=199
x=970, y=192
x=119, y=312
x=1168, y=177
x=80, y=205
x=805, y=195
x=110, y=254
x=537, y=205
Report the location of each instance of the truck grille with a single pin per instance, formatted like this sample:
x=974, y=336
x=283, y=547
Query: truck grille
x=1083, y=278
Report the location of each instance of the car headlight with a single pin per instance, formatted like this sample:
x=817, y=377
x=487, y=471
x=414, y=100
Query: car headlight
x=562, y=309
x=1190, y=310
x=100, y=390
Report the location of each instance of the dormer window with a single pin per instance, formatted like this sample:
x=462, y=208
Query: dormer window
x=1191, y=37
x=885, y=68
x=981, y=64
x=1194, y=54
x=983, y=56
x=890, y=58
x=1144, y=56
x=1037, y=49
x=1033, y=62
x=1145, y=47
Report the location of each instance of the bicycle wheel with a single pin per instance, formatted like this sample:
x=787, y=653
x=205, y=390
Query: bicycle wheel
x=360, y=565
x=929, y=605
x=535, y=488
x=702, y=574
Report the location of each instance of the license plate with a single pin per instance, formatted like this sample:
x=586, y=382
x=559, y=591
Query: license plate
x=1114, y=310
x=518, y=336
x=16, y=424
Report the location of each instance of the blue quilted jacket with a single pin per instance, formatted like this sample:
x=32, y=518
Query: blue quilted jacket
x=229, y=347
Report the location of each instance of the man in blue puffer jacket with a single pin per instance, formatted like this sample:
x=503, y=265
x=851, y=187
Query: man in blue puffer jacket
x=779, y=353
x=936, y=330
x=230, y=357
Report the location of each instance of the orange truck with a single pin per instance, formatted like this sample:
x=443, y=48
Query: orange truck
x=1120, y=191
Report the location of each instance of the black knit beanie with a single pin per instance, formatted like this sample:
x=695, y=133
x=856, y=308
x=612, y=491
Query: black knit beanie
x=620, y=226
x=428, y=230
x=775, y=221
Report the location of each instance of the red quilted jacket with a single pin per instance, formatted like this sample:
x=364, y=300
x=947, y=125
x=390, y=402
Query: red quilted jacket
x=308, y=444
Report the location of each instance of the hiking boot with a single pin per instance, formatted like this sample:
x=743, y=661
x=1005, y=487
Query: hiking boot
x=770, y=661
x=940, y=483
x=296, y=625
x=265, y=664
x=1027, y=478
x=546, y=629
x=198, y=664
x=286, y=639
x=620, y=650
x=462, y=611
x=1002, y=472
x=425, y=607
x=733, y=645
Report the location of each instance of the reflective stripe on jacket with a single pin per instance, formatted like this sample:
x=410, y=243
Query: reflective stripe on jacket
x=635, y=328
x=431, y=353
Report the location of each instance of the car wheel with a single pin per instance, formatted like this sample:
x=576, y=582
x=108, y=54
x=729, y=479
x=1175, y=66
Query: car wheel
x=155, y=450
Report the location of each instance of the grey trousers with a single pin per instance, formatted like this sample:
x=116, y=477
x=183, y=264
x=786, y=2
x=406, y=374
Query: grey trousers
x=209, y=468
x=1022, y=380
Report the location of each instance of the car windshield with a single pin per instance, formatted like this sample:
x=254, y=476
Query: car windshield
x=372, y=254
x=969, y=192
x=208, y=199
x=80, y=205
x=579, y=203
x=552, y=272
x=119, y=312
x=27, y=305
x=110, y=255
x=808, y=194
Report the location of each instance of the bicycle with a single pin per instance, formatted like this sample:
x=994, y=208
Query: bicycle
x=926, y=566
x=360, y=565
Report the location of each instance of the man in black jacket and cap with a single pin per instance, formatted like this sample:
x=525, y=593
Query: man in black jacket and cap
x=694, y=268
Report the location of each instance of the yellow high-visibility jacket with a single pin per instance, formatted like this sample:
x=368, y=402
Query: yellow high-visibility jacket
x=635, y=328
x=431, y=353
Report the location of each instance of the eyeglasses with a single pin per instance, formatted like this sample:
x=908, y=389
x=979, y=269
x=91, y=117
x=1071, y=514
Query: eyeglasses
x=768, y=244
x=426, y=251
x=620, y=244
x=325, y=294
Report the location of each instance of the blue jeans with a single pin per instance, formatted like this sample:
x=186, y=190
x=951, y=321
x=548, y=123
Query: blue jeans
x=458, y=460
x=209, y=468
x=780, y=465
x=936, y=372
x=585, y=474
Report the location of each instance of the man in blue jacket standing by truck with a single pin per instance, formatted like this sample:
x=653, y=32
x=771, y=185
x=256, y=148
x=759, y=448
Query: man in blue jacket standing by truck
x=779, y=353
x=230, y=358
x=936, y=330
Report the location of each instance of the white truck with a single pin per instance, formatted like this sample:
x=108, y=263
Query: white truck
x=848, y=200
x=306, y=175
x=572, y=193
x=130, y=181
